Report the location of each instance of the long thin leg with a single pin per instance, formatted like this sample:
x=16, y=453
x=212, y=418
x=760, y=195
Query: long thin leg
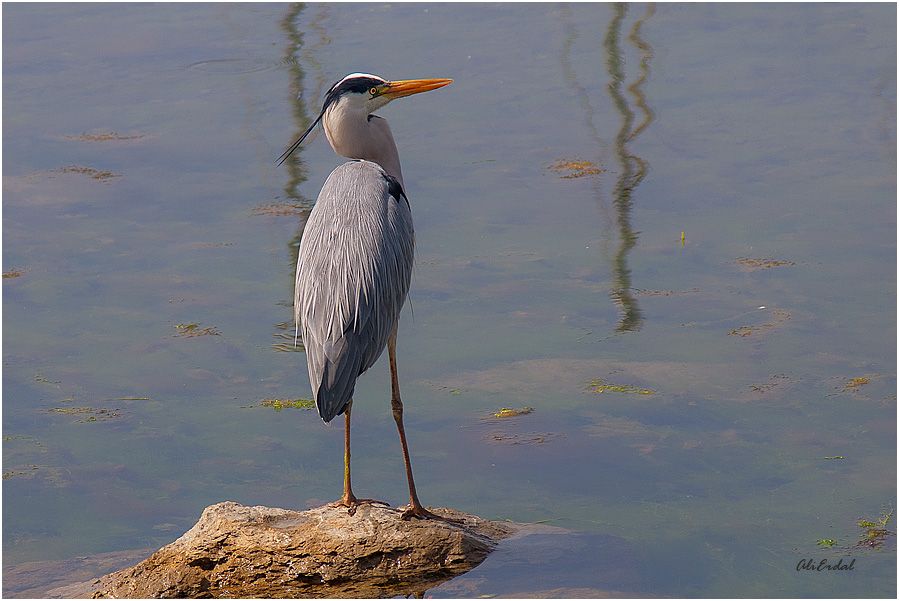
x=349, y=499
x=415, y=508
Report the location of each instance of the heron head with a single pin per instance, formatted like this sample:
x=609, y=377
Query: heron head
x=368, y=93
x=363, y=93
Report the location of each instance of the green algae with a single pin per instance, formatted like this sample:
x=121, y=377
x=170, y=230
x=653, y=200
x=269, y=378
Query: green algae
x=87, y=414
x=600, y=386
x=750, y=264
x=192, y=330
x=506, y=412
x=856, y=383
x=280, y=404
x=874, y=532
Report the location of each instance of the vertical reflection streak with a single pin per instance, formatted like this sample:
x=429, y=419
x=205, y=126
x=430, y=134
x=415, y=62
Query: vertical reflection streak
x=571, y=78
x=296, y=168
x=633, y=167
x=297, y=53
x=636, y=88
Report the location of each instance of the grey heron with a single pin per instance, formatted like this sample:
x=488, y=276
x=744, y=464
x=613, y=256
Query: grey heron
x=355, y=259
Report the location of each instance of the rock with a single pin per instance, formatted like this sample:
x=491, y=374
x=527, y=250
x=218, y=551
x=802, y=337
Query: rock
x=239, y=551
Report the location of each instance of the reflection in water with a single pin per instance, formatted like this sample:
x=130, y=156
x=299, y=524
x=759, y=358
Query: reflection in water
x=589, y=112
x=309, y=56
x=298, y=53
x=296, y=168
x=572, y=78
x=645, y=56
x=633, y=168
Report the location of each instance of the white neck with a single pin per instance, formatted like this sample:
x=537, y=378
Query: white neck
x=355, y=134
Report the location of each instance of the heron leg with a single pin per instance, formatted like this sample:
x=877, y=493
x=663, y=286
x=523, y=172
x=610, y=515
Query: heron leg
x=348, y=499
x=415, y=509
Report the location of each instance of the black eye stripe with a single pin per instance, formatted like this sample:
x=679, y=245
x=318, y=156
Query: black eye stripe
x=354, y=85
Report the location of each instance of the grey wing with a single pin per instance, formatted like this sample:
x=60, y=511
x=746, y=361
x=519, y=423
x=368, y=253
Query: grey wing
x=353, y=273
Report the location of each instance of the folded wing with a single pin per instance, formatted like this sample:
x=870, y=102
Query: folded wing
x=353, y=273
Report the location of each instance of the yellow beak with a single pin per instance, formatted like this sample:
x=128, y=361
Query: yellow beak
x=407, y=87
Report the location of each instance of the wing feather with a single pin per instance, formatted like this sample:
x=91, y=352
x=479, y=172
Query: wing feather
x=353, y=273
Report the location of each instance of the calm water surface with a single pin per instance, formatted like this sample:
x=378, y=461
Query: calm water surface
x=140, y=197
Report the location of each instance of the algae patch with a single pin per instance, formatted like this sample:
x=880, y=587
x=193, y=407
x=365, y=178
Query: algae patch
x=772, y=383
x=9, y=474
x=524, y=438
x=192, y=330
x=573, y=169
x=41, y=379
x=600, y=386
x=23, y=442
x=856, y=383
x=509, y=412
x=749, y=264
x=86, y=414
x=205, y=245
x=874, y=532
x=779, y=317
x=54, y=476
x=279, y=404
x=110, y=136
x=97, y=174
x=281, y=209
x=444, y=388
x=644, y=292
x=70, y=410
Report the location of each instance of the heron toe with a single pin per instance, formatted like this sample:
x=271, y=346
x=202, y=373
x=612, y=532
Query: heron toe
x=352, y=503
x=419, y=512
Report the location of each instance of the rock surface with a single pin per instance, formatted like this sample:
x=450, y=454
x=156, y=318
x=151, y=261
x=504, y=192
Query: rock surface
x=239, y=551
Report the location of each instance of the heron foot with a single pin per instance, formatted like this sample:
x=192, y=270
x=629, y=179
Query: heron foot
x=352, y=503
x=419, y=512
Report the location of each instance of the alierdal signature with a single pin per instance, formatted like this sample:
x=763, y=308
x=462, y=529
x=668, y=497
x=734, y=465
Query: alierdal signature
x=824, y=565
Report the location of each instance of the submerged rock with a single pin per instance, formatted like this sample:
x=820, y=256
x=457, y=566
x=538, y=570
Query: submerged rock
x=240, y=551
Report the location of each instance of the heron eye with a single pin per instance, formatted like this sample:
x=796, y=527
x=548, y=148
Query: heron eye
x=373, y=92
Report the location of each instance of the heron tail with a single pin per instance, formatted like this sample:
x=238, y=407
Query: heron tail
x=341, y=367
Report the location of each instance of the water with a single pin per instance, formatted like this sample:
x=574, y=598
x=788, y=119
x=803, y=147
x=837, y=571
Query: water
x=760, y=132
